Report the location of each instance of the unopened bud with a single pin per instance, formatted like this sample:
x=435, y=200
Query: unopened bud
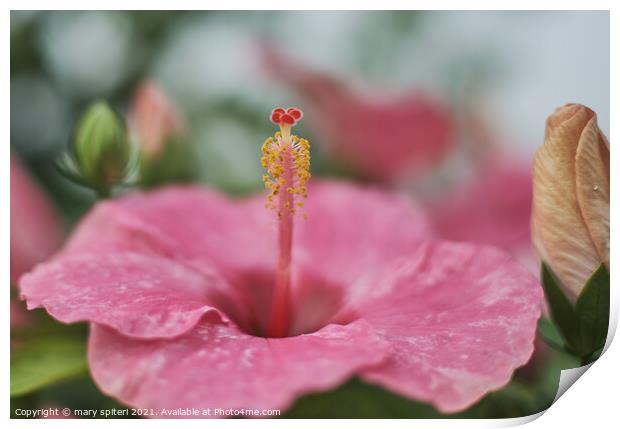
x=100, y=152
x=570, y=219
x=159, y=132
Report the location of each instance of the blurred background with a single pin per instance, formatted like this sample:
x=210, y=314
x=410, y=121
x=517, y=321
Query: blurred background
x=427, y=102
x=516, y=67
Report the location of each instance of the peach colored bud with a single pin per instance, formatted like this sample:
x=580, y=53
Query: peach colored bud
x=570, y=219
x=153, y=119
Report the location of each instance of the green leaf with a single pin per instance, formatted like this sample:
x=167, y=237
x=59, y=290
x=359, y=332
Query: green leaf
x=41, y=361
x=592, y=310
x=562, y=311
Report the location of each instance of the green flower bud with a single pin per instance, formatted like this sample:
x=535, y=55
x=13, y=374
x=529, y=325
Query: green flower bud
x=101, y=153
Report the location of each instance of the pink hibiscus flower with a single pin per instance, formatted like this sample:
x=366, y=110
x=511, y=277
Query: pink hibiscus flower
x=199, y=300
x=383, y=138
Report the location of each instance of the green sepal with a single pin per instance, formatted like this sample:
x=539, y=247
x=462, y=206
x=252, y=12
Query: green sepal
x=562, y=311
x=583, y=325
x=592, y=308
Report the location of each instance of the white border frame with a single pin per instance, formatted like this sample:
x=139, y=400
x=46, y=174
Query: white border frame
x=592, y=401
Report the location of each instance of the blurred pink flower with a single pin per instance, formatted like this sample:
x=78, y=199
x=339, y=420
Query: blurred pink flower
x=35, y=227
x=35, y=230
x=493, y=208
x=177, y=284
x=383, y=138
x=153, y=119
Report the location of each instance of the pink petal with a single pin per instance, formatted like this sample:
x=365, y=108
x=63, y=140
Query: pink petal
x=493, y=208
x=394, y=139
x=352, y=233
x=217, y=366
x=139, y=295
x=461, y=319
x=35, y=227
x=352, y=229
x=199, y=228
x=195, y=224
x=192, y=224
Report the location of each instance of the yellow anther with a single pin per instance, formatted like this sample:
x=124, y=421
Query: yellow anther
x=278, y=155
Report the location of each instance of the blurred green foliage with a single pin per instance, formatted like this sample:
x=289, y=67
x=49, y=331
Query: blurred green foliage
x=225, y=131
x=46, y=360
x=45, y=352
